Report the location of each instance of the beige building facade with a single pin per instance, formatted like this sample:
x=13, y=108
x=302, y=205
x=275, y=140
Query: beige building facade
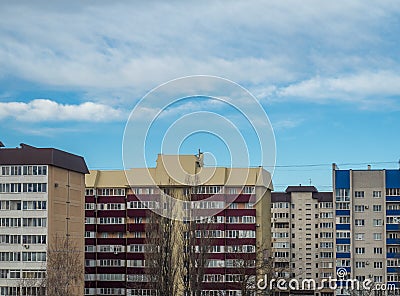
x=41, y=199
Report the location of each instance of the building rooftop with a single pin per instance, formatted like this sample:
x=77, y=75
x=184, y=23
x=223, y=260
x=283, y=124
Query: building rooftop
x=287, y=195
x=29, y=155
x=175, y=170
x=301, y=188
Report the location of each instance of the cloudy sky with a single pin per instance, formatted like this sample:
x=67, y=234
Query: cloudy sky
x=327, y=73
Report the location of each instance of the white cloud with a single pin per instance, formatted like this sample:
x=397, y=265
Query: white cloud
x=286, y=124
x=367, y=89
x=47, y=110
x=132, y=45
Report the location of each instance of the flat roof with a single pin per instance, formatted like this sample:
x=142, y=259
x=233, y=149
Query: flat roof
x=29, y=155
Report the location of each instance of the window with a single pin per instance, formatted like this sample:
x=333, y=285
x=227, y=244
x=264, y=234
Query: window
x=377, y=236
x=111, y=206
x=248, y=190
x=281, y=205
x=34, y=187
x=111, y=192
x=392, y=220
x=143, y=205
x=377, y=194
x=342, y=195
x=359, y=222
x=281, y=245
x=360, y=264
x=377, y=208
x=359, y=208
x=34, y=222
x=207, y=189
x=34, y=239
x=378, y=251
x=326, y=245
x=360, y=250
x=326, y=215
x=359, y=194
x=343, y=234
x=111, y=220
x=34, y=256
x=343, y=206
x=343, y=220
x=325, y=235
x=343, y=248
x=280, y=235
x=232, y=219
x=326, y=205
x=342, y=262
x=377, y=222
x=378, y=265
x=248, y=219
x=326, y=225
x=326, y=255
x=89, y=206
x=359, y=236
x=393, y=191
x=39, y=170
x=34, y=205
x=137, y=248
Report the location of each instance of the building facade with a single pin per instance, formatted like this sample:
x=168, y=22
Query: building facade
x=302, y=225
x=367, y=227
x=117, y=212
x=41, y=198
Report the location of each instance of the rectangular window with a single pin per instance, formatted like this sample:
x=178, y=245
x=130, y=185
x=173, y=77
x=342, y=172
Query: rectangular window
x=343, y=248
x=359, y=236
x=377, y=222
x=393, y=191
x=377, y=236
x=360, y=264
x=359, y=208
x=359, y=194
x=377, y=208
x=359, y=222
x=360, y=250
x=377, y=194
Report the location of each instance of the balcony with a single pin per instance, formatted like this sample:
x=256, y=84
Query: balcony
x=342, y=212
x=392, y=227
x=393, y=255
x=347, y=268
x=393, y=241
x=343, y=241
x=393, y=269
x=342, y=255
x=392, y=212
x=393, y=198
x=342, y=226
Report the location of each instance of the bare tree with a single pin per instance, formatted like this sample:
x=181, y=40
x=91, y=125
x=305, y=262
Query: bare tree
x=32, y=284
x=64, y=268
x=162, y=246
x=198, y=238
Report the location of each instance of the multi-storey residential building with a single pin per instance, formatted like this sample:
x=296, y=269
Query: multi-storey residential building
x=41, y=198
x=367, y=227
x=117, y=211
x=302, y=228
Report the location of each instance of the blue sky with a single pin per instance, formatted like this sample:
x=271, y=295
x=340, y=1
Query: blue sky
x=326, y=73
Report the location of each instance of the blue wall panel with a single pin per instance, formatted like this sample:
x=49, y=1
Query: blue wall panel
x=392, y=178
x=342, y=179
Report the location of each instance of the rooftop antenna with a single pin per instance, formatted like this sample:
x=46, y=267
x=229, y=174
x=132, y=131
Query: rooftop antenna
x=310, y=181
